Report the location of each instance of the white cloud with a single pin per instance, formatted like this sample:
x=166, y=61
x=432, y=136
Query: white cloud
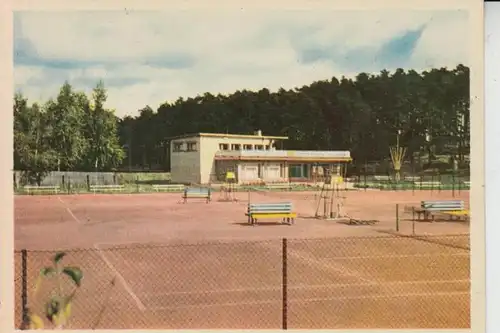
x=228, y=51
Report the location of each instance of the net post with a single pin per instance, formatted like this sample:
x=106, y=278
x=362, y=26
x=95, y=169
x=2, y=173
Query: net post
x=24, y=289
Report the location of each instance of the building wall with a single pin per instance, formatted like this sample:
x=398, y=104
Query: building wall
x=185, y=165
x=210, y=146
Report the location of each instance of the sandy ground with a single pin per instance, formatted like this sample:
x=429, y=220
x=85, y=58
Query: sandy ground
x=199, y=265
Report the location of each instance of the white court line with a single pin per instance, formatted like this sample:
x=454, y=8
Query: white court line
x=305, y=286
x=127, y=287
x=306, y=300
x=415, y=255
x=309, y=260
x=69, y=210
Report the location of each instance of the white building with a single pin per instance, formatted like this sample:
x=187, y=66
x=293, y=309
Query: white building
x=206, y=157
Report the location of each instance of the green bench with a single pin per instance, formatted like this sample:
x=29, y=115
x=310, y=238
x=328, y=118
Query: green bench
x=279, y=186
x=283, y=210
x=32, y=189
x=169, y=187
x=106, y=188
x=427, y=184
x=196, y=193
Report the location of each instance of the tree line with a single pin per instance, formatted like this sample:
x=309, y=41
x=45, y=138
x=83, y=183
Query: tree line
x=429, y=109
x=70, y=132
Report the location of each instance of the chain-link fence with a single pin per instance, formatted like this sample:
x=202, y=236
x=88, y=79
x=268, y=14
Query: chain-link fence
x=432, y=182
x=331, y=283
x=74, y=182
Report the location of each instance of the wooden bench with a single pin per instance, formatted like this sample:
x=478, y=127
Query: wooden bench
x=271, y=210
x=428, y=184
x=279, y=186
x=107, y=188
x=196, y=193
x=466, y=183
x=169, y=187
x=431, y=208
x=32, y=189
x=412, y=179
x=382, y=178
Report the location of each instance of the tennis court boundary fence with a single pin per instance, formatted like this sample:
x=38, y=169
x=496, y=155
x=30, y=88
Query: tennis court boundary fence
x=25, y=275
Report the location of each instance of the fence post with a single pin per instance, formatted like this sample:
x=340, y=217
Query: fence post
x=459, y=185
x=284, y=321
x=439, y=180
x=88, y=183
x=24, y=289
x=69, y=185
x=63, y=182
x=364, y=175
x=413, y=220
x=137, y=183
x=453, y=184
x=397, y=217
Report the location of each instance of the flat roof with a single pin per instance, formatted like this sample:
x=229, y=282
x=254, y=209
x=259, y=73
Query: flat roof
x=224, y=135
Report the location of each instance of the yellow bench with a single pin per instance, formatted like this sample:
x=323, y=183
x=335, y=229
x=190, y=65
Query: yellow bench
x=282, y=210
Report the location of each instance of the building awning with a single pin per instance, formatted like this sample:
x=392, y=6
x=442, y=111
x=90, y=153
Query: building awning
x=285, y=159
x=285, y=155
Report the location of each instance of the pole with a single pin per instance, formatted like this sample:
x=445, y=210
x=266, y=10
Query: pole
x=397, y=217
x=413, y=221
x=24, y=288
x=453, y=184
x=284, y=286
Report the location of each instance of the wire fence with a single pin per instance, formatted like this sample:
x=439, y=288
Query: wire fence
x=433, y=182
x=332, y=283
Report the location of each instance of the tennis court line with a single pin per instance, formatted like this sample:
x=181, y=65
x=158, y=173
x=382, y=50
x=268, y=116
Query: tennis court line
x=305, y=286
x=416, y=255
x=127, y=287
x=342, y=270
x=69, y=210
x=316, y=299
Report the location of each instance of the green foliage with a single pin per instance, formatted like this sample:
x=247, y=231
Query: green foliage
x=68, y=133
x=361, y=115
x=57, y=309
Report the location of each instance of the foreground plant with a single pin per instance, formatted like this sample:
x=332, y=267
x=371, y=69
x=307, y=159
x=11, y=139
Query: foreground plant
x=57, y=309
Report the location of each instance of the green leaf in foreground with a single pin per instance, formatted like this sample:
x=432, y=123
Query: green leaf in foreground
x=75, y=274
x=58, y=257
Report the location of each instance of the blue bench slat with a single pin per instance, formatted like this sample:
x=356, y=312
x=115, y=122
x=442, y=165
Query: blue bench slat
x=270, y=205
x=442, y=202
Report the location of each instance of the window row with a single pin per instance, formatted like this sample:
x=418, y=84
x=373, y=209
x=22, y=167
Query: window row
x=226, y=146
x=190, y=146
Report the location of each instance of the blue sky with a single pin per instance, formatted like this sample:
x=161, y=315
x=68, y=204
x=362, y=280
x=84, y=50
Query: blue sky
x=147, y=58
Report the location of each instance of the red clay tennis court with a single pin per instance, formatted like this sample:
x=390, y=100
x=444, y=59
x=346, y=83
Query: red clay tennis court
x=173, y=269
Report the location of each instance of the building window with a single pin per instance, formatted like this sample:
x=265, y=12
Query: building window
x=247, y=147
x=259, y=147
x=223, y=146
x=236, y=147
x=178, y=147
x=191, y=146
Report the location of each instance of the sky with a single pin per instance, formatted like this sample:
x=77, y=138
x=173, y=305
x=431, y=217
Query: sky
x=149, y=58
